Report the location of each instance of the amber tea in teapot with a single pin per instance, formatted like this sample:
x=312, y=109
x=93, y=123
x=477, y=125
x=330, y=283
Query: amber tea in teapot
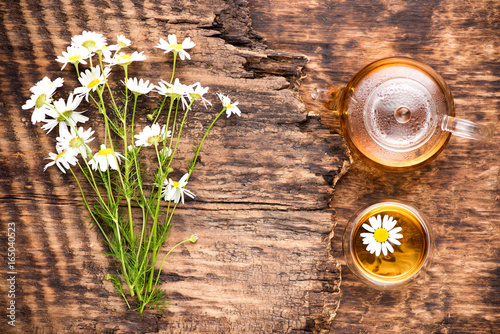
x=398, y=114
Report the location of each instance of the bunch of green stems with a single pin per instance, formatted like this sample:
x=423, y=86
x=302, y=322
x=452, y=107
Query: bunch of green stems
x=129, y=211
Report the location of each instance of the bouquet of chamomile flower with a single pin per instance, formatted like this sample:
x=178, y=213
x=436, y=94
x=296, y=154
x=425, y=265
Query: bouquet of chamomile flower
x=127, y=205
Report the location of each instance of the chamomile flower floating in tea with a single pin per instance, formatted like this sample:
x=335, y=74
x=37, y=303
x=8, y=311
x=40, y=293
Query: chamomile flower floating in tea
x=231, y=108
x=386, y=244
x=174, y=191
x=382, y=234
x=104, y=158
x=41, y=98
x=151, y=135
x=173, y=46
x=74, y=55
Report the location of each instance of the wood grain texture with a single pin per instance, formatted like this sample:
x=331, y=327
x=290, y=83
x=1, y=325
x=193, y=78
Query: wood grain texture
x=459, y=192
x=261, y=264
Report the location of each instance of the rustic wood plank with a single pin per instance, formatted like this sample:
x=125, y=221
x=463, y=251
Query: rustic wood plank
x=262, y=262
x=459, y=191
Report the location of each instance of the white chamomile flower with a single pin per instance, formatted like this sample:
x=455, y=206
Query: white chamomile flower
x=151, y=135
x=138, y=87
x=41, y=97
x=90, y=80
x=64, y=114
x=90, y=40
x=123, y=42
x=173, y=46
x=124, y=59
x=174, y=91
x=165, y=151
x=47, y=84
x=104, y=158
x=73, y=55
x=196, y=92
x=63, y=159
x=231, y=108
x=76, y=141
x=382, y=234
x=174, y=191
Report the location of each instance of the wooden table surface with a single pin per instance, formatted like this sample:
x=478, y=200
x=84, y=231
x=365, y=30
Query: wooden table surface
x=276, y=186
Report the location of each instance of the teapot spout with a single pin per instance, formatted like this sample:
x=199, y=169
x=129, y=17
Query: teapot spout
x=329, y=96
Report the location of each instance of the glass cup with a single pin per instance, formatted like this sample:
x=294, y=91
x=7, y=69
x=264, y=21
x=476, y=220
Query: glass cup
x=397, y=114
x=387, y=244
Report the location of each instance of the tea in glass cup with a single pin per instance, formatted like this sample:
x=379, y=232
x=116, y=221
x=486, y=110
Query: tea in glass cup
x=387, y=244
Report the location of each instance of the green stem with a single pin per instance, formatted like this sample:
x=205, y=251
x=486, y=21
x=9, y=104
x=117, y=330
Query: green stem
x=198, y=150
x=173, y=67
x=161, y=265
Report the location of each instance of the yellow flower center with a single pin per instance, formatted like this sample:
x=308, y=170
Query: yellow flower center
x=74, y=58
x=75, y=142
x=60, y=155
x=176, y=184
x=40, y=101
x=154, y=140
x=64, y=116
x=93, y=83
x=176, y=46
x=106, y=151
x=125, y=59
x=88, y=44
x=381, y=235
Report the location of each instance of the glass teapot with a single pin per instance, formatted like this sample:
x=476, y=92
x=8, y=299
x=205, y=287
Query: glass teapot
x=397, y=114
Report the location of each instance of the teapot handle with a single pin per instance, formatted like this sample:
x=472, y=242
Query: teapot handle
x=466, y=129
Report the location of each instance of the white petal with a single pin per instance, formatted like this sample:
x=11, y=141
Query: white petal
x=172, y=39
x=188, y=43
x=368, y=228
x=103, y=164
x=189, y=193
x=389, y=247
x=384, y=220
x=396, y=236
x=394, y=241
x=378, y=248
x=390, y=224
x=384, y=248
x=113, y=163
x=375, y=222
x=396, y=229
x=183, y=54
